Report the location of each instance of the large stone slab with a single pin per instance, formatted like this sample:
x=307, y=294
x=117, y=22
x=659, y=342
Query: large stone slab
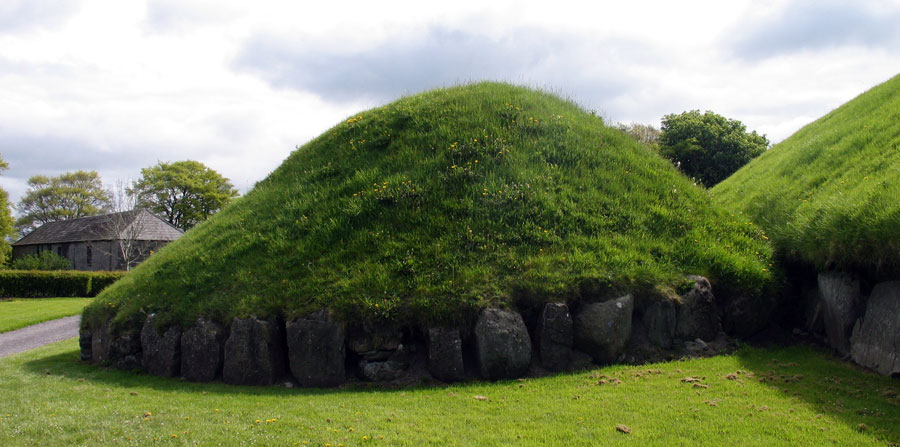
x=875, y=342
x=125, y=351
x=202, y=351
x=100, y=344
x=660, y=320
x=502, y=344
x=373, y=342
x=161, y=353
x=841, y=306
x=254, y=352
x=316, y=350
x=85, y=344
x=696, y=313
x=554, y=336
x=445, y=355
x=385, y=370
x=602, y=329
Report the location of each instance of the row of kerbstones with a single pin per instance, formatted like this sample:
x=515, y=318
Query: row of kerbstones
x=254, y=353
x=865, y=328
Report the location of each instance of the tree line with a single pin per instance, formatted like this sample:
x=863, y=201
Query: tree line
x=183, y=193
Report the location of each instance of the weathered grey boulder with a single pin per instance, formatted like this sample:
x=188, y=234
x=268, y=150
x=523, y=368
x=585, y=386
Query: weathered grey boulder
x=387, y=370
x=602, y=329
x=254, y=352
x=445, y=355
x=554, y=336
x=316, y=351
x=841, y=301
x=875, y=342
x=502, y=345
x=100, y=344
x=696, y=313
x=202, y=351
x=85, y=343
x=125, y=351
x=161, y=354
x=660, y=319
x=373, y=342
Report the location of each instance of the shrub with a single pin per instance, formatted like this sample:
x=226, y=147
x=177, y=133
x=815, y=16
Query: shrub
x=45, y=260
x=43, y=284
x=708, y=146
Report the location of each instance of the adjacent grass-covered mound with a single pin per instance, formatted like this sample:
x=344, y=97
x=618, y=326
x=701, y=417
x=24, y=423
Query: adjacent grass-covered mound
x=432, y=207
x=828, y=195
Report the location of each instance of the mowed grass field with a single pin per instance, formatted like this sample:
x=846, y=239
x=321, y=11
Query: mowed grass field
x=796, y=396
x=17, y=313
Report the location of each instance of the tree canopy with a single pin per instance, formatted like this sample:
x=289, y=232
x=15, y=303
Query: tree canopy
x=185, y=193
x=708, y=146
x=68, y=196
x=6, y=220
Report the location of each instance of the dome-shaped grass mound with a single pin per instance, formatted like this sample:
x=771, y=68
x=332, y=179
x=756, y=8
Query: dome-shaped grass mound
x=437, y=205
x=828, y=194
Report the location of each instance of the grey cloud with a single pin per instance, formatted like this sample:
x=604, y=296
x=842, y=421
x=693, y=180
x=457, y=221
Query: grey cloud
x=441, y=57
x=805, y=25
x=30, y=155
x=19, y=15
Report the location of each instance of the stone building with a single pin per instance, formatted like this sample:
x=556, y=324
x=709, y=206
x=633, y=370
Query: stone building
x=116, y=241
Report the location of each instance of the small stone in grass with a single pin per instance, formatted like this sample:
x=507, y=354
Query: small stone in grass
x=623, y=429
x=480, y=398
x=133, y=393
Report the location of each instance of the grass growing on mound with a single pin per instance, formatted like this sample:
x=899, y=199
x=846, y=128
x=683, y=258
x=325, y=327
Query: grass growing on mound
x=439, y=204
x=779, y=397
x=828, y=194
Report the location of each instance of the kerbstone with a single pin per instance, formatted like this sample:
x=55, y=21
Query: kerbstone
x=254, y=352
x=202, y=351
x=602, y=329
x=316, y=350
x=502, y=344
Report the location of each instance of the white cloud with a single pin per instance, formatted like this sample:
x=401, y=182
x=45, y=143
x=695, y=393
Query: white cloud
x=118, y=86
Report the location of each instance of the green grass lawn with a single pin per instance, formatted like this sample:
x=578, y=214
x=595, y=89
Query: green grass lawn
x=777, y=397
x=18, y=313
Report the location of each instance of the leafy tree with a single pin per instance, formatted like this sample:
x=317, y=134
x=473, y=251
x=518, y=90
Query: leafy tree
x=184, y=192
x=68, y=196
x=708, y=146
x=45, y=260
x=7, y=229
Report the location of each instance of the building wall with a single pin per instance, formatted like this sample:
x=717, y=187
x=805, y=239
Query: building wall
x=92, y=255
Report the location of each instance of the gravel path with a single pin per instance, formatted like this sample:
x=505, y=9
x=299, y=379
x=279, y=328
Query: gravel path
x=38, y=335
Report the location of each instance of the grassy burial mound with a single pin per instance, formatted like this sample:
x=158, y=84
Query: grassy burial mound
x=428, y=210
x=827, y=195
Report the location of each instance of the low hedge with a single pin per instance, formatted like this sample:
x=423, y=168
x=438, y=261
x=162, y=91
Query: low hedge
x=58, y=283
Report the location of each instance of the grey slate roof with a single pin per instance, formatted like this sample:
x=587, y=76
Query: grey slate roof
x=101, y=228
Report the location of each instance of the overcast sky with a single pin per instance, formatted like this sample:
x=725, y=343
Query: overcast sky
x=118, y=85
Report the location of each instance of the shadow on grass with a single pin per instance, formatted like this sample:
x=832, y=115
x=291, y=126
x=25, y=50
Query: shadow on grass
x=69, y=364
x=863, y=400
